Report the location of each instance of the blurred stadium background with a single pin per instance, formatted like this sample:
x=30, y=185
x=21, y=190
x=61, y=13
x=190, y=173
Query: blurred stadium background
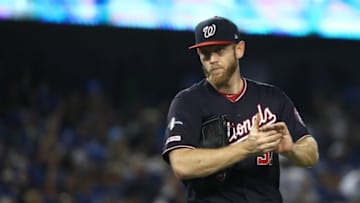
x=85, y=86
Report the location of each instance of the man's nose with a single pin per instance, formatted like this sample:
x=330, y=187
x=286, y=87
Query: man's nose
x=213, y=58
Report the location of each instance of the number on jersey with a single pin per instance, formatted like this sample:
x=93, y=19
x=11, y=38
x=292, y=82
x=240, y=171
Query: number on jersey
x=264, y=159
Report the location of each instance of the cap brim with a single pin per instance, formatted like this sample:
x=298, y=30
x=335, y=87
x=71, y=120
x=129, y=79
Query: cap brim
x=209, y=43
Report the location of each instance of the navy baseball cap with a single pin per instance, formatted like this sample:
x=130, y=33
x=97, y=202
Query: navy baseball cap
x=215, y=31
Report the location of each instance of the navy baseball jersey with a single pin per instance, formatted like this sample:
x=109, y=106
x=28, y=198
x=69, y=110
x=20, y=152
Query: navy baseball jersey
x=254, y=179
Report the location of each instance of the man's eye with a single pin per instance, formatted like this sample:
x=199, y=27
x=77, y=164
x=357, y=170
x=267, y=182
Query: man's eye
x=220, y=51
x=207, y=56
x=207, y=53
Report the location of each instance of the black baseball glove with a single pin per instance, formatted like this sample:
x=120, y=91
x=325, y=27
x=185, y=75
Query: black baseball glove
x=214, y=132
x=213, y=135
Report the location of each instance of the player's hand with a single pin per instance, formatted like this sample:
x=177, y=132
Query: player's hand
x=262, y=141
x=286, y=143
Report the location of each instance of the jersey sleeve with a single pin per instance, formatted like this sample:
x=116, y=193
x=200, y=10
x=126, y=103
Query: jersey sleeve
x=290, y=115
x=183, y=126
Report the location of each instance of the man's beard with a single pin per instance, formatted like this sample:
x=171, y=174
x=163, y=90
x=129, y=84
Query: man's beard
x=222, y=79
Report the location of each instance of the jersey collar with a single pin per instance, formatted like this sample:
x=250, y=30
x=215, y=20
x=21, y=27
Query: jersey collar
x=231, y=97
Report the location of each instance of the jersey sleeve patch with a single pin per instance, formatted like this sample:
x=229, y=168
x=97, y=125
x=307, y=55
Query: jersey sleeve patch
x=174, y=138
x=174, y=122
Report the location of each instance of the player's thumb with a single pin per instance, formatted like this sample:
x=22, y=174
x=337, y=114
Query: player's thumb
x=256, y=122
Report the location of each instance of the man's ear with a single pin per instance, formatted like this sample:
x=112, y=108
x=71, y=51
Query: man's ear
x=198, y=51
x=240, y=49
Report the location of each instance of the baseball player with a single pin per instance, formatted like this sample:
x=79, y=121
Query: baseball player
x=251, y=123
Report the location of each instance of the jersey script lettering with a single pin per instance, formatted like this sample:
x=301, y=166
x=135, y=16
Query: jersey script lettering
x=237, y=132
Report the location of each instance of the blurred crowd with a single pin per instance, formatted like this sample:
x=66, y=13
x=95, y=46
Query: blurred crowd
x=76, y=145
